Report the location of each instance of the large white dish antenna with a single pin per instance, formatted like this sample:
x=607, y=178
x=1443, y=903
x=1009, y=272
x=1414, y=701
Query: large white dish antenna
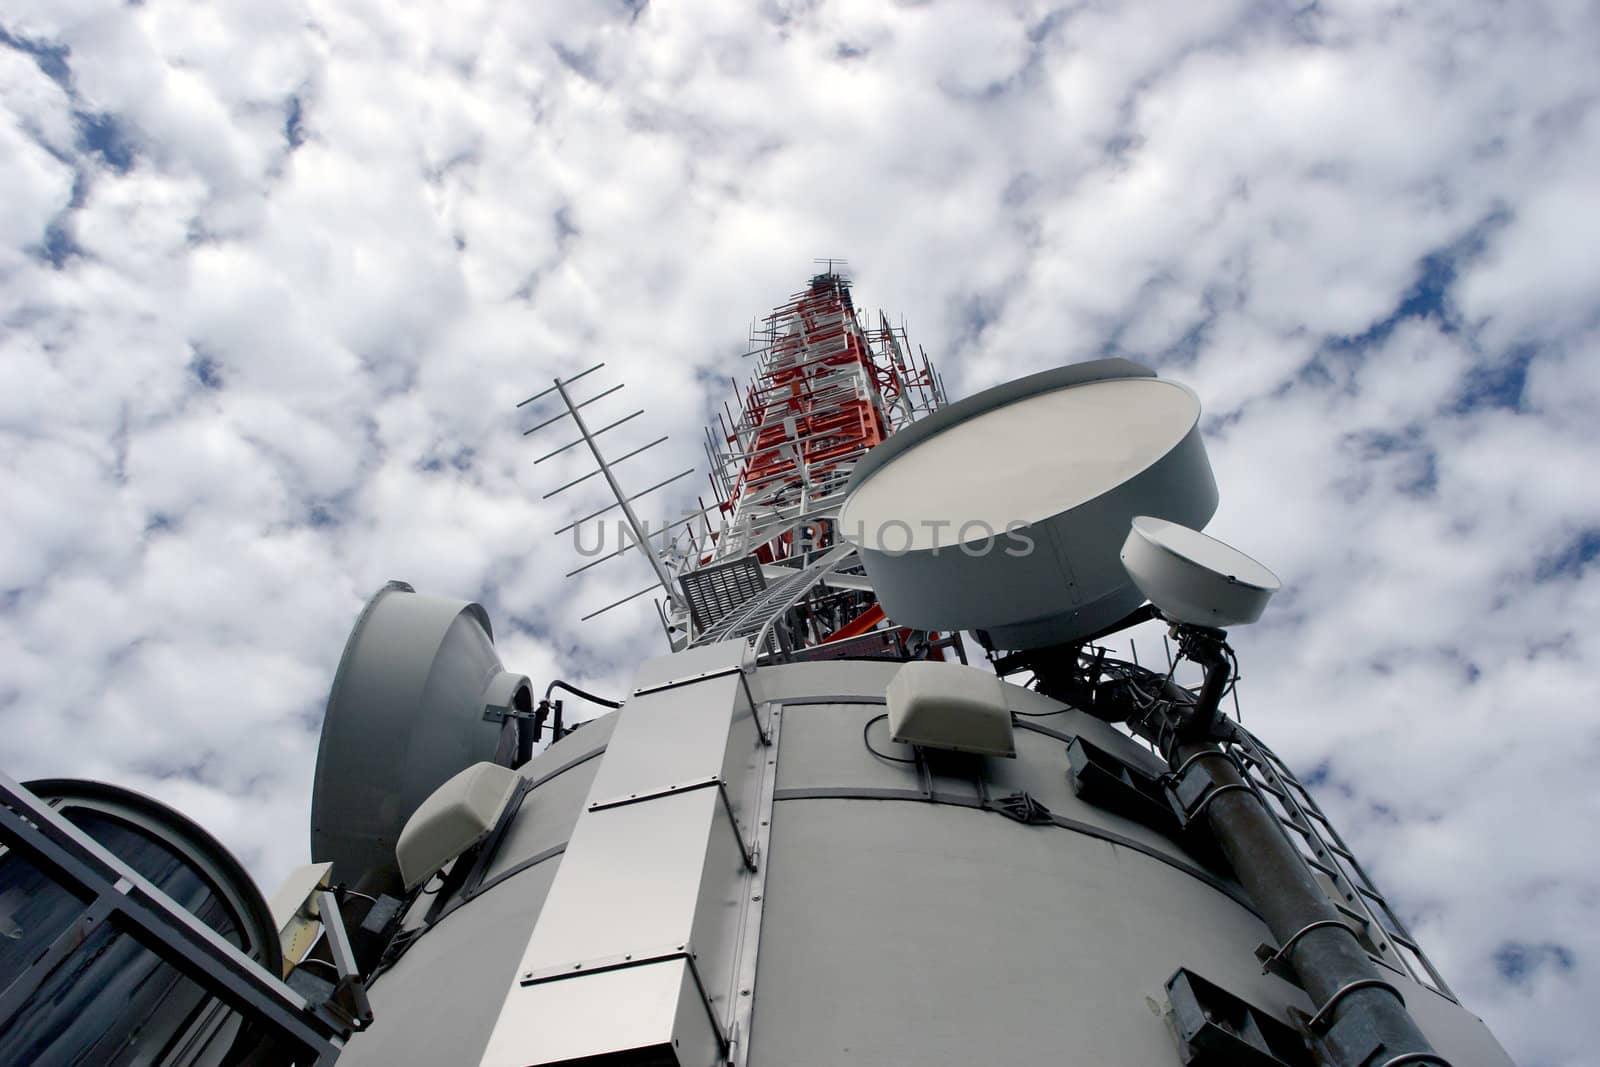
x=406, y=712
x=1193, y=578
x=1005, y=512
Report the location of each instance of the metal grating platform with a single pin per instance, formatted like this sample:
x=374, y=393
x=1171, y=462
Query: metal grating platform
x=720, y=589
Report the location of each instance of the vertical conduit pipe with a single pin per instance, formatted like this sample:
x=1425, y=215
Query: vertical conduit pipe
x=1361, y=1018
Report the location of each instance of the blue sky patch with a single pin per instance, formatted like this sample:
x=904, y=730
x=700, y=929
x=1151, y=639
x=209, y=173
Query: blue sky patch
x=104, y=135
x=1518, y=961
x=1570, y=559
x=51, y=58
x=1497, y=385
x=294, y=128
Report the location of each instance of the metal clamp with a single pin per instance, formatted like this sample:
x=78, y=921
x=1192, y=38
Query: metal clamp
x=1177, y=772
x=692, y=679
x=749, y=850
x=652, y=794
x=1345, y=990
x=763, y=730
x=1206, y=800
x=1281, y=954
x=605, y=963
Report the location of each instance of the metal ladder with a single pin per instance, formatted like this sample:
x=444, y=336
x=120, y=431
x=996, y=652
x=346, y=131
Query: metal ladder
x=1320, y=845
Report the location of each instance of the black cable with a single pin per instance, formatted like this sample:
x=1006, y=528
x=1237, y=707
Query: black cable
x=1233, y=659
x=875, y=752
x=402, y=940
x=575, y=691
x=325, y=963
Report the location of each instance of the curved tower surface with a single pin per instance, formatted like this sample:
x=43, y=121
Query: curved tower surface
x=888, y=795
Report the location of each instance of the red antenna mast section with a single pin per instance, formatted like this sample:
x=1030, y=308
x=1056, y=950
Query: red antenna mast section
x=826, y=390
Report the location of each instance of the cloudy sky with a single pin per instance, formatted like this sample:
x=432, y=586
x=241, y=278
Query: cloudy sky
x=272, y=277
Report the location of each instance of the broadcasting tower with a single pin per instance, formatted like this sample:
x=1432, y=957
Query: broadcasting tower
x=809, y=831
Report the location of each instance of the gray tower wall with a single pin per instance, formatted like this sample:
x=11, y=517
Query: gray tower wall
x=892, y=915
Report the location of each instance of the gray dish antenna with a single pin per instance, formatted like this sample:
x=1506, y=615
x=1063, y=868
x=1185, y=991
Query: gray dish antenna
x=1063, y=460
x=407, y=711
x=1195, y=579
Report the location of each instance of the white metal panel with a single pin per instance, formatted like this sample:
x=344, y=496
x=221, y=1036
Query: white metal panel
x=545, y=820
x=690, y=665
x=670, y=738
x=646, y=1007
x=920, y=935
x=440, y=1002
x=656, y=866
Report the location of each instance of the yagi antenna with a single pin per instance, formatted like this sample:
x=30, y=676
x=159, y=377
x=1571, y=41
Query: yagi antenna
x=605, y=468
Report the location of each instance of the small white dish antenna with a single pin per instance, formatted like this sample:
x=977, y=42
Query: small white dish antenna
x=1194, y=578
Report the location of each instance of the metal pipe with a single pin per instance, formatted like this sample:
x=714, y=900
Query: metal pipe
x=1358, y=1013
x=591, y=474
x=587, y=436
x=617, y=603
x=639, y=533
x=623, y=503
x=569, y=381
x=564, y=414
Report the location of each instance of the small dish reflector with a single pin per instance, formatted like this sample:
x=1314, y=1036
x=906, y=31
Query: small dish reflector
x=1193, y=578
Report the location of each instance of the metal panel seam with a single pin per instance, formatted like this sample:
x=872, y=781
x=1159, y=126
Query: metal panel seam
x=1087, y=829
x=742, y=1005
x=565, y=767
x=483, y=887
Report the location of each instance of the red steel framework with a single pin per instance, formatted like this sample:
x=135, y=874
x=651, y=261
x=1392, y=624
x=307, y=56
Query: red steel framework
x=826, y=390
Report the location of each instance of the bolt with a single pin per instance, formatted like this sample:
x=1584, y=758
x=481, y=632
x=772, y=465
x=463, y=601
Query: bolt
x=744, y=992
x=756, y=897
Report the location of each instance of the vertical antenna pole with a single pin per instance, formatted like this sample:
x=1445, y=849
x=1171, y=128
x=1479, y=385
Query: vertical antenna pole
x=622, y=498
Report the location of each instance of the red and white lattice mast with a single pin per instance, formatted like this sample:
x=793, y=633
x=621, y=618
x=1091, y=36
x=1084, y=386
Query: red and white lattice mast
x=825, y=391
